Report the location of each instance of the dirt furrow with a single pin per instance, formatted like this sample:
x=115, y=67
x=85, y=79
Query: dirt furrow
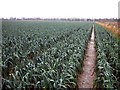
x=87, y=77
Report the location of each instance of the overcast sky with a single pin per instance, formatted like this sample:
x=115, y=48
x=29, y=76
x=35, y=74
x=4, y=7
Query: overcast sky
x=59, y=8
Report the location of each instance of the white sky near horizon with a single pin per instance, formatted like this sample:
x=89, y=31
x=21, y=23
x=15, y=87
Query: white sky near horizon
x=59, y=8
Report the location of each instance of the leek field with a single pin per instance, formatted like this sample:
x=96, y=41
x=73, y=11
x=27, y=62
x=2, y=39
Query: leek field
x=50, y=54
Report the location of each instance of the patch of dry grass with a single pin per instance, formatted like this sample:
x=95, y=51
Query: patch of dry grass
x=113, y=27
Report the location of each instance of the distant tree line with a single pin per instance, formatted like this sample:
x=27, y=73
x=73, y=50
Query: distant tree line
x=65, y=19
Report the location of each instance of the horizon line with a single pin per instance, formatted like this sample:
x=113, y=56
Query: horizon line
x=53, y=18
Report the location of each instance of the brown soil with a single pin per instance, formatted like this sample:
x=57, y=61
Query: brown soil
x=113, y=27
x=86, y=79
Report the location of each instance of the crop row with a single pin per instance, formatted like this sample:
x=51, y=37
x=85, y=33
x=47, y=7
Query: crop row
x=108, y=60
x=43, y=54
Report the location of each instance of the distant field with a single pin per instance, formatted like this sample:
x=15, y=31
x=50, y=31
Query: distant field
x=112, y=26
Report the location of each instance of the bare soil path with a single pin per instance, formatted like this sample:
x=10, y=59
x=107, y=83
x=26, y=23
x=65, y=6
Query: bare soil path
x=87, y=77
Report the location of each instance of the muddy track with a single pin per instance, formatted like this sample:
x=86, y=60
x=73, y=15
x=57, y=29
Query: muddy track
x=87, y=77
